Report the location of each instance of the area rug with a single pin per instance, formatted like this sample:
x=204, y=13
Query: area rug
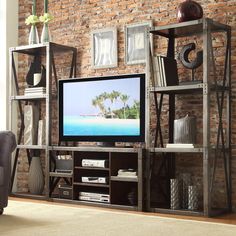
x=33, y=218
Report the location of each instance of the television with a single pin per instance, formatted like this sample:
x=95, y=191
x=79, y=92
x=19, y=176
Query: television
x=102, y=109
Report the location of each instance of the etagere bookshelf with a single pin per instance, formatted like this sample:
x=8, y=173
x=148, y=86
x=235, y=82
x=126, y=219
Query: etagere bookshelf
x=209, y=87
x=47, y=53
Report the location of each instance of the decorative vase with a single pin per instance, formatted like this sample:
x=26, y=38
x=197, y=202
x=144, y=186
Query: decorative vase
x=185, y=130
x=186, y=181
x=192, y=198
x=189, y=10
x=33, y=35
x=36, y=178
x=45, y=36
x=132, y=197
x=174, y=194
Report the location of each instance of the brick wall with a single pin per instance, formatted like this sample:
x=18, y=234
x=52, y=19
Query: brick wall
x=75, y=19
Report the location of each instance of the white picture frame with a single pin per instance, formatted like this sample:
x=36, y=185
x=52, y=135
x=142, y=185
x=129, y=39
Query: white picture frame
x=135, y=42
x=104, y=48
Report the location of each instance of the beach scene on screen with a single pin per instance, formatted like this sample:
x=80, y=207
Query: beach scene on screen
x=102, y=107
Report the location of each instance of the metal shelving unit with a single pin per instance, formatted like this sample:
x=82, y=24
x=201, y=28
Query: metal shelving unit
x=49, y=52
x=204, y=28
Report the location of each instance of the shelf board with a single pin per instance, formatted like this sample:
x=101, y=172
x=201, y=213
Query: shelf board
x=65, y=175
x=124, y=179
x=100, y=204
x=178, y=212
x=28, y=195
x=35, y=48
x=94, y=149
x=92, y=184
x=91, y=168
x=29, y=97
x=186, y=89
x=189, y=150
x=188, y=28
x=32, y=146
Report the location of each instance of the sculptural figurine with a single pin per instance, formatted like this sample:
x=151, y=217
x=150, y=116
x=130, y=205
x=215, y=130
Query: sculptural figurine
x=183, y=56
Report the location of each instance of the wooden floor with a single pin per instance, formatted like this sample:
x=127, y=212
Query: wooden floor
x=226, y=219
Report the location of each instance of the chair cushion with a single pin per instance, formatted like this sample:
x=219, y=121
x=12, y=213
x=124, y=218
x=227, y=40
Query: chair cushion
x=1, y=175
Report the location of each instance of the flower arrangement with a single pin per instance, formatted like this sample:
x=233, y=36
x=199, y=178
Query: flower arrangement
x=32, y=19
x=46, y=16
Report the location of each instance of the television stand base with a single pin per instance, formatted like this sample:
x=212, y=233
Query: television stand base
x=106, y=144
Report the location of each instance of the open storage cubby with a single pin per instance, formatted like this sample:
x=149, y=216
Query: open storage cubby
x=91, y=177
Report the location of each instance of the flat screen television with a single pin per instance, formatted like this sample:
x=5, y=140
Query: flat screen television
x=102, y=109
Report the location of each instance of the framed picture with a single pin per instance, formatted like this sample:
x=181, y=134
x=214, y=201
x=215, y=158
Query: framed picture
x=135, y=42
x=104, y=48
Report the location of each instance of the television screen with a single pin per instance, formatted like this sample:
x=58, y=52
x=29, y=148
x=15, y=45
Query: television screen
x=105, y=109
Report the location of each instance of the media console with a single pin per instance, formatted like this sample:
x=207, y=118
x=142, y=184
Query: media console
x=95, y=180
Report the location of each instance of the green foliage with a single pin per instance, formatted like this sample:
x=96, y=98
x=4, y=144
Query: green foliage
x=32, y=19
x=124, y=112
x=46, y=18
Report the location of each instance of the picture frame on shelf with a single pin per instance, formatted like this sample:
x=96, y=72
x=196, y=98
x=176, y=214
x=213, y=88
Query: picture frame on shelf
x=135, y=42
x=104, y=48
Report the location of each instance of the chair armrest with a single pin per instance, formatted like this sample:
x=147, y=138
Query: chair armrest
x=1, y=175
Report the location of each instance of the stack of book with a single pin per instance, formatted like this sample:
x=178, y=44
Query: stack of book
x=165, y=71
x=35, y=91
x=95, y=197
x=181, y=145
x=97, y=180
x=94, y=163
x=127, y=173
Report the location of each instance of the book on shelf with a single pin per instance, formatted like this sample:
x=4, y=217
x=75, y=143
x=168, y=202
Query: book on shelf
x=96, y=197
x=93, y=199
x=35, y=91
x=191, y=82
x=181, y=145
x=94, y=163
x=41, y=132
x=127, y=173
x=98, y=180
x=165, y=71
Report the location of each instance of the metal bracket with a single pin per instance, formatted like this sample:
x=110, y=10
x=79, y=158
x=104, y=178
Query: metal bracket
x=205, y=88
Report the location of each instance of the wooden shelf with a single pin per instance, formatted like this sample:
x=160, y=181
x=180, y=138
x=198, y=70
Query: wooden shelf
x=124, y=179
x=28, y=195
x=91, y=168
x=29, y=97
x=57, y=174
x=187, y=89
x=188, y=28
x=94, y=149
x=41, y=47
x=177, y=212
x=98, y=204
x=92, y=184
x=31, y=147
x=189, y=150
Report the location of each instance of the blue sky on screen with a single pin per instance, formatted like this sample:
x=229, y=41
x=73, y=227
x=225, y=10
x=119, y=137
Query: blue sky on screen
x=78, y=96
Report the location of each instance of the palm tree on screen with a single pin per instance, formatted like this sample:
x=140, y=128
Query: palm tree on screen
x=124, y=98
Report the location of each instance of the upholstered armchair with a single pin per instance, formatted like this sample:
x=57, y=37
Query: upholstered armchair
x=7, y=146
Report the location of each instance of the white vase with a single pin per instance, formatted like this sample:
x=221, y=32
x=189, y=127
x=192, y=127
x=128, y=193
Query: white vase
x=36, y=178
x=45, y=36
x=33, y=35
